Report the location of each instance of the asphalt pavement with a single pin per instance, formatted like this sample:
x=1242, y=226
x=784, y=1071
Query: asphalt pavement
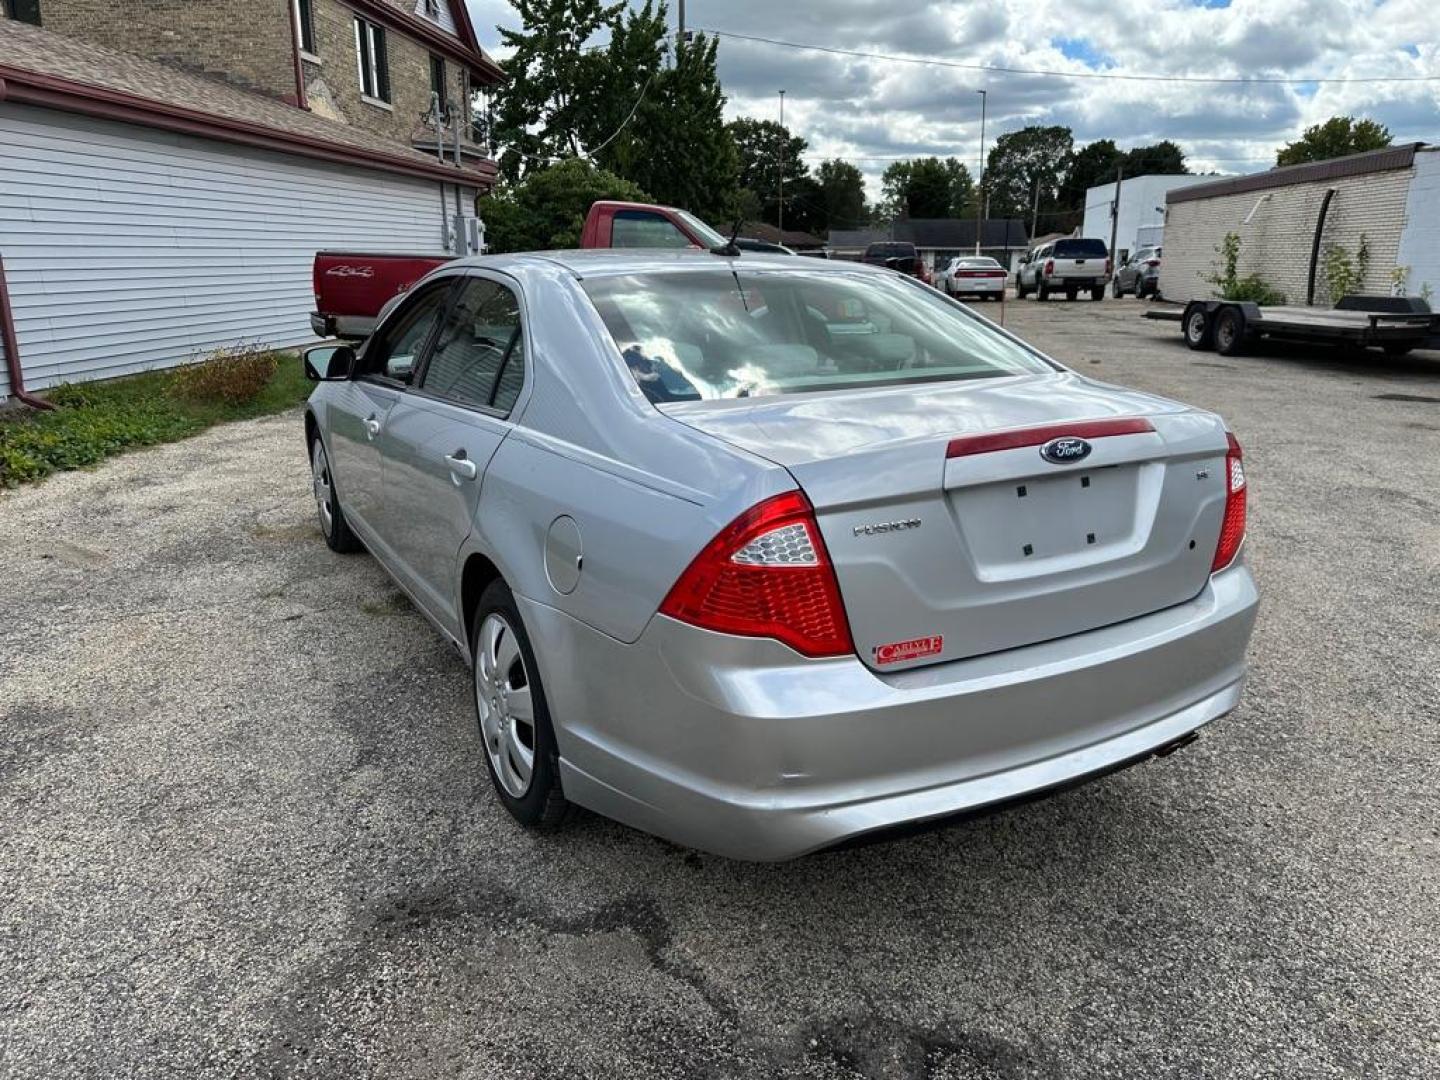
x=245, y=829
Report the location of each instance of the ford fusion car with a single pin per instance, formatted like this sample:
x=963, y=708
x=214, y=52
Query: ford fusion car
x=762, y=554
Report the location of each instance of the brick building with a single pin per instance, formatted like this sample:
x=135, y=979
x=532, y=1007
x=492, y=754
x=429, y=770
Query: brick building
x=169, y=168
x=1389, y=198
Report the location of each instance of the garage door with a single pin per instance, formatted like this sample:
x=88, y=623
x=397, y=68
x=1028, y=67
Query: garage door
x=128, y=248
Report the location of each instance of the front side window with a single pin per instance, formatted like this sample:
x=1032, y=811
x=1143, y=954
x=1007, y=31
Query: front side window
x=373, y=59
x=304, y=13
x=396, y=347
x=642, y=229
x=702, y=334
x=479, y=358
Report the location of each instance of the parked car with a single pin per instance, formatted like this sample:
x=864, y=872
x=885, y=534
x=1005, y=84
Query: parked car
x=762, y=553
x=977, y=276
x=1138, y=274
x=899, y=256
x=1067, y=266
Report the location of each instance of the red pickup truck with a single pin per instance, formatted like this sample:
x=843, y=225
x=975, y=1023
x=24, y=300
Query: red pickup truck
x=352, y=288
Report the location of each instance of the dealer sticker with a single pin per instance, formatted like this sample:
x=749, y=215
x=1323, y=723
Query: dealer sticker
x=898, y=651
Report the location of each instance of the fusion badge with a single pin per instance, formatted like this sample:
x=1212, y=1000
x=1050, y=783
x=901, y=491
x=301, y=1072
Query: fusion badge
x=897, y=651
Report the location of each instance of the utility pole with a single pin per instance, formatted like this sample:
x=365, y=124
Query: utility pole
x=1115, y=210
x=980, y=187
x=681, y=39
x=1035, y=212
x=782, y=165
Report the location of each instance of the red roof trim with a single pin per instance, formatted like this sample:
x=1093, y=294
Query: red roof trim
x=465, y=52
x=1038, y=436
x=48, y=91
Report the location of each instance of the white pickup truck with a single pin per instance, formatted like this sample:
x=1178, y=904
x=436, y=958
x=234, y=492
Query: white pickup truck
x=1067, y=266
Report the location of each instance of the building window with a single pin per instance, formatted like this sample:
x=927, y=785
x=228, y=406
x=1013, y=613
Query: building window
x=23, y=10
x=373, y=59
x=437, y=81
x=305, y=25
x=432, y=8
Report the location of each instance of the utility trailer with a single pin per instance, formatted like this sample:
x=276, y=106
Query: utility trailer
x=1396, y=324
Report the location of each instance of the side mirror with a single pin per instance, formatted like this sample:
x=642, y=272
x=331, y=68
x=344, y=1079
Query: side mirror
x=328, y=363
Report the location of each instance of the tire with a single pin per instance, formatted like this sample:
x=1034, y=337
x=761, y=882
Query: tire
x=1397, y=349
x=327, y=503
x=1115, y=289
x=1071, y=294
x=520, y=752
x=1197, y=328
x=1229, y=331
x=1041, y=292
x=1098, y=293
x=1020, y=293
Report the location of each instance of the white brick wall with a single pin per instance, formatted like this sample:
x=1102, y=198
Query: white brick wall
x=1276, y=243
x=1420, y=242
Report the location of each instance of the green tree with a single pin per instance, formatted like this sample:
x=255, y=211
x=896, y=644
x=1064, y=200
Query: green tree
x=842, y=192
x=1093, y=164
x=1164, y=158
x=766, y=151
x=663, y=126
x=547, y=209
x=542, y=107
x=1336, y=137
x=1020, y=161
x=928, y=188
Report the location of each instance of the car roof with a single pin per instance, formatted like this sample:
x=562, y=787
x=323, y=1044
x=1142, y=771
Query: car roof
x=597, y=262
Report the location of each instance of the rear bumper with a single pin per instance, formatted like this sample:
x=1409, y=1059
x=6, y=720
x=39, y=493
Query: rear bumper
x=745, y=749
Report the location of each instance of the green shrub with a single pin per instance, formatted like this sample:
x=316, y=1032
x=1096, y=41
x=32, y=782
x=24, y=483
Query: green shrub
x=1230, y=285
x=229, y=376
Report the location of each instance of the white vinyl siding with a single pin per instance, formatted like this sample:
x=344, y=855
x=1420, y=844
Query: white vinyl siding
x=129, y=248
x=438, y=13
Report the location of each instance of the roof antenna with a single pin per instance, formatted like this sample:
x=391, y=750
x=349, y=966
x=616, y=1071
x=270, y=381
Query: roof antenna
x=728, y=248
x=747, y=207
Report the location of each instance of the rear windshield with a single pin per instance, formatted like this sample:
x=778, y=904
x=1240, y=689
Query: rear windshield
x=1080, y=249
x=704, y=334
x=977, y=264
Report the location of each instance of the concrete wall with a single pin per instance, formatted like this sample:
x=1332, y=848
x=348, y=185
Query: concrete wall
x=1139, y=196
x=1420, y=242
x=1276, y=243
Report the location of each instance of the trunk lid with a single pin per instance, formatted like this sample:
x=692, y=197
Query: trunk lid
x=943, y=554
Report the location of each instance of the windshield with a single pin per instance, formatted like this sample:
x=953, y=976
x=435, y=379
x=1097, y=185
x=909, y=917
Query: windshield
x=704, y=233
x=700, y=335
x=1080, y=249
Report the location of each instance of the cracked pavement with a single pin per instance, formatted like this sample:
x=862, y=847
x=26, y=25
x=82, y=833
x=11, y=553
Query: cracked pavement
x=246, y=831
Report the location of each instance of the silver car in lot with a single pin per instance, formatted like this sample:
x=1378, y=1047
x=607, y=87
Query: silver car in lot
x=760, y=554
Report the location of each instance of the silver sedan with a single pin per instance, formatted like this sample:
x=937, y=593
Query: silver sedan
x=760, y=554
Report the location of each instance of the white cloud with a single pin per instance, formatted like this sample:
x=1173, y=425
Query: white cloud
x=870, y=110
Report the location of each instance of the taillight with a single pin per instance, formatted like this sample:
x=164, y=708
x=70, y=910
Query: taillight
x=1152, y=262
x=767, y=574
x=1108, y=264
x=1232, y=528
x=1049, y=267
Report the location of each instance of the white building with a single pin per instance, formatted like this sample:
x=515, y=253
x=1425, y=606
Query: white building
x=1289, y=219
x=1141, y=212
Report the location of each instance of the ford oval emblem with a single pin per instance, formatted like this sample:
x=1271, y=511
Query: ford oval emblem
x=1065, y=450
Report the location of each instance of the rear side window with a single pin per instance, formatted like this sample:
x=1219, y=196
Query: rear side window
x=1080, y=249
x=641, y=229
x=479, y=357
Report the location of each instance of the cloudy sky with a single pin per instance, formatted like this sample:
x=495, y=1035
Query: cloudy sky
x=871, y=111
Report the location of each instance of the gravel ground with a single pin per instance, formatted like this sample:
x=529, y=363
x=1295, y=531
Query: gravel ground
x=245, y=829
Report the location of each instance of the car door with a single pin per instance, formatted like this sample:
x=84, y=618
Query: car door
x=443, y=433
x=361, y=409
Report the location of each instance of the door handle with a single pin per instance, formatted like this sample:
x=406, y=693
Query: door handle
x=372, y=426
x=461, y=467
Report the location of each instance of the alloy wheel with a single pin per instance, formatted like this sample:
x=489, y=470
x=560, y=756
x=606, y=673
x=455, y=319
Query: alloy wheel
x=322, y=488
x=505, y=704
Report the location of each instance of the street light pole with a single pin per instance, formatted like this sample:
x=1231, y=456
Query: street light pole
x=980, y=187
x=782, y=167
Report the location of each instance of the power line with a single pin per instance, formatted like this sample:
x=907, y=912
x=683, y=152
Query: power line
x=998, y=70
